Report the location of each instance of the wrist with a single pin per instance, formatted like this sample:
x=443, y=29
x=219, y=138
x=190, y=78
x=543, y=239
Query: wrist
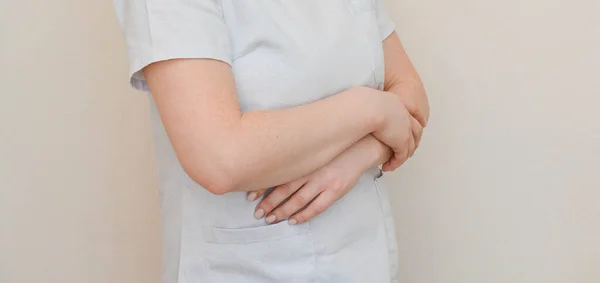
x=354, y=160
x=371, y=103
x=378, y=106
x=367, y=153
x=379, y=154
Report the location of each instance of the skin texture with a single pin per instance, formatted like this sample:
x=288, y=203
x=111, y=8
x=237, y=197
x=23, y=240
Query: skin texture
x=225, y=150
x=321, y=188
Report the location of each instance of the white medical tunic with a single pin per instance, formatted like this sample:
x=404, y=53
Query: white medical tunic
x=283, y=53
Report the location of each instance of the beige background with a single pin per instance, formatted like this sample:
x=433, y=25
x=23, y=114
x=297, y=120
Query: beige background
x=505, y=188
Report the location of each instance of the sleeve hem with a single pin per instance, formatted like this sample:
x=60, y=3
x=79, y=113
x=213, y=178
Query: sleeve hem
x=387, y=31
x=136, y=75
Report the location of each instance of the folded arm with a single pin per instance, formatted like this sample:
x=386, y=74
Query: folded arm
x=322, y=188
x=226, y=150
x=402, y=79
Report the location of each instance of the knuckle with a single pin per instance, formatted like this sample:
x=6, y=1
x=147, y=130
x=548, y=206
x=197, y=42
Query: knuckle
x=319, y=208
x=338, y=187
x=268, y=203
x=301, y=200
x=285, y=187
x=280, y=213
x=337, y=183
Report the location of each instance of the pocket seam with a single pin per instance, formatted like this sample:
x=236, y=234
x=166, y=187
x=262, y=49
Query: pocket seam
x=392, y=260
x=221, y=235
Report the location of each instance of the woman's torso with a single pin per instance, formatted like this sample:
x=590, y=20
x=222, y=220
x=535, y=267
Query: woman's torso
x=286, y=53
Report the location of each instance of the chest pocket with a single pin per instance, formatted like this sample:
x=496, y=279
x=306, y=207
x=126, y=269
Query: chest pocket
x=366, y=18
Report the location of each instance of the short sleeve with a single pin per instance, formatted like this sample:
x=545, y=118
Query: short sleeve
x=158, y=30
x=385, y=23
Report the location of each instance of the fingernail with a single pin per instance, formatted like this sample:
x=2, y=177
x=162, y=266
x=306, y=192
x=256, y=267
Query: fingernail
x=271, y=218
x=259, y=213
x=252, y=196
x=292, y=222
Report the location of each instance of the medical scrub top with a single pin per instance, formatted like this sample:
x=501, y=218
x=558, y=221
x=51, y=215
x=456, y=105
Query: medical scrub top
x=283, y=53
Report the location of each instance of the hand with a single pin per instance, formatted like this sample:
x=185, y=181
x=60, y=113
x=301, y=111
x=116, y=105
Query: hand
x=398, y=131
x=417, y=133
x=303, y=199
x=415, y=100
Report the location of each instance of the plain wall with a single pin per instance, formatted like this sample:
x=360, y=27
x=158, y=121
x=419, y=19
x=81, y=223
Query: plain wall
x=78, y=201
x=506, y=184
x=505, y=187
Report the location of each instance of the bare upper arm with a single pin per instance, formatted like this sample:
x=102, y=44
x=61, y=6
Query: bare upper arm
x=398, y=67
x=401, y=76
x=197, y=102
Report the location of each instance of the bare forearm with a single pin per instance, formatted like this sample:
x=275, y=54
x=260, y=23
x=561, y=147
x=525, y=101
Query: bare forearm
x=403, y=81
x=225, y=150
x=365, y=154
x=281, y=145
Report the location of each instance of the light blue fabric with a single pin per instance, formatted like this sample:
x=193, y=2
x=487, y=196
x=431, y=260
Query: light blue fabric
x=283, y=53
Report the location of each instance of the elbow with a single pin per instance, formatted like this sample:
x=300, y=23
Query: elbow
x=217, y=185
x=215, y=173
x=213, y=180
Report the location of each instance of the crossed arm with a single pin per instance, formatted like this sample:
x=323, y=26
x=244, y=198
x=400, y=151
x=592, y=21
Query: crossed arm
x=304, y=198
x=225, y=150
x=402, y=80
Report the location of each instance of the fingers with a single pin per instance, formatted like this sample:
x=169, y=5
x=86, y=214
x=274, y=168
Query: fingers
x=317, y=206
x=400, y=156
x=385, y=167
x=398, y=159
x=254, y=195
x=417, y=132
x=415, y=111
x=420, y=117
x=299, y=200
x=278, y=195
x=412, y=144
